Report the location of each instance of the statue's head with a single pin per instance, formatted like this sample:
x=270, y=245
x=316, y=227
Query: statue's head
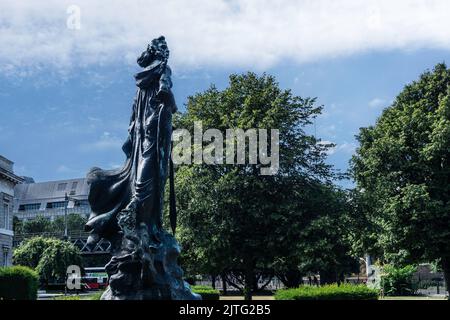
x=159, y=48
x=156, y=50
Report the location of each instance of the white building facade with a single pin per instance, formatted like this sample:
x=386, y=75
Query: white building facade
x=8, y=180
x=48, y=199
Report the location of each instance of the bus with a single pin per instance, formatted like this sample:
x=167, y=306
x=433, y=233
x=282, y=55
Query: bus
x=95, y=278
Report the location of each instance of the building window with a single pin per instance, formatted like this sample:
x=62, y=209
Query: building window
x=5, y=257
x=6, y=215
x=74, y=185
x=58, y=204
x=2, y=213
x=82, y=203
x=29, y=207
x=62, y=186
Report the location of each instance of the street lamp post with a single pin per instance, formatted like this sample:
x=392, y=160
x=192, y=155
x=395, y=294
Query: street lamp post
x=67, y=198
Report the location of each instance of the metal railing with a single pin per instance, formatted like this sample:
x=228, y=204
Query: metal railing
x=78, y=238
x=51, y=212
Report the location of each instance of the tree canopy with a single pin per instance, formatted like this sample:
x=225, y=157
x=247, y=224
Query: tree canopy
x=49, y=257
x=233, y=220
x=402, y=168
x=75, y=222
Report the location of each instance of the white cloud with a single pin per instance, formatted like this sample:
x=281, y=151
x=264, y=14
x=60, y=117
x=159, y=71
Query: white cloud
x=105, y=142
x=328, y=131
x=347, y=148
x=376, y=103
x=251, y=33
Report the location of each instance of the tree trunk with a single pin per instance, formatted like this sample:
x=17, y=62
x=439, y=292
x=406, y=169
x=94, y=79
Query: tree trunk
x=255, y=282
x=446, y=270
x=213, y=281
x=292, y=278
x=248, y=282
x=224, y=284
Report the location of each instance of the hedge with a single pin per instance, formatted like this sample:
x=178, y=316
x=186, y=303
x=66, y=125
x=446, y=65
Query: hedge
x=328, y=292
x=18, y=283
x=207, y=293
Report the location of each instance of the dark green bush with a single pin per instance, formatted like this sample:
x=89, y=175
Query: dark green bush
x=18, y=283
x=207, y=293
x=398, y=281
x=328, y=292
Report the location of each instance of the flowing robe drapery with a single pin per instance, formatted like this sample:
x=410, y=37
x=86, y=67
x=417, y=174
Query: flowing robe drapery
x=145, y=171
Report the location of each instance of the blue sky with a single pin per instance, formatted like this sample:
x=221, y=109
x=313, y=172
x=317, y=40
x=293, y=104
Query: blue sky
x=62, y=113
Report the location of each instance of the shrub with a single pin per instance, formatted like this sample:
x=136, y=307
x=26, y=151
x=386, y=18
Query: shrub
x=328, y=292
x=18, y=283
x=398, y=281
x=207, y=293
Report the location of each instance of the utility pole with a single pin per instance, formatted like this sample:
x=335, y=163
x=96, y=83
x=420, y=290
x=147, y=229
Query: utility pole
x=66, y=198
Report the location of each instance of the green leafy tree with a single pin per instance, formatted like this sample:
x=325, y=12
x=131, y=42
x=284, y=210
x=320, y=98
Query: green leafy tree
x=17, y=225
x=37, y=225
x=49, y=257
x=398, y=281
x=55, y=260
x=325, y=245
x=75, y=222
x=321, y=243
x=233, y=220
x=402, y=168
x=30, y=251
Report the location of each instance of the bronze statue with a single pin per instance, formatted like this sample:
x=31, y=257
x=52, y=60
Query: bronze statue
x=127, y=204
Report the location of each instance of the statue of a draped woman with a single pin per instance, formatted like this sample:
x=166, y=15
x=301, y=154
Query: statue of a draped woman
x=127, y=203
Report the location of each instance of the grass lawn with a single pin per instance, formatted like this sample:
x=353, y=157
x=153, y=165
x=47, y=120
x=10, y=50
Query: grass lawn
x=242, y=298
x=415, y=298
x=260, y=297
x=382, y=299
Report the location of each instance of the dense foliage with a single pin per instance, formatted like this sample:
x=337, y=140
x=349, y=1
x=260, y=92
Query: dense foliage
x=30, y=252
x=242, y=225
x=402, y=169
x=398, y=281
x=328, y=292
x=75, y=222
x=49, y=257
x=18, y=283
